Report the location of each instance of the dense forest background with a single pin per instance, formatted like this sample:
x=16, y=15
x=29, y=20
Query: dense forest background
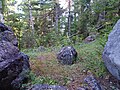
x=43, y=27
x=45, y=23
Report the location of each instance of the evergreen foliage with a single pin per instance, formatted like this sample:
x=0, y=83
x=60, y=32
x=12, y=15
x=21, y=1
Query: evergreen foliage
x=51, y=26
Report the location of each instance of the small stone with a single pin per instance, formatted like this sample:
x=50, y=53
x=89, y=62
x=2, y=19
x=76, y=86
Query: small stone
x=41, y=49
x=84, y=71
x=89, y=39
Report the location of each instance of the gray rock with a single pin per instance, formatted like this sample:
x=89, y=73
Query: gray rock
x=23, y=76
x=93, y=83
x=111, y=53
x=90, y=38
x=7, y=34
x=41, y=49
x=47, y=87
x=7, y=50
x=14, y=65
x=67, y=55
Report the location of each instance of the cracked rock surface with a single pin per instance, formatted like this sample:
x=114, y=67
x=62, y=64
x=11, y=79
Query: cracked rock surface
x=13, y=64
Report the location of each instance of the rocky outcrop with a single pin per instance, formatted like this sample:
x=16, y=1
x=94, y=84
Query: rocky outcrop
x=111, y=54
x=13, y=64
x=6, y=34
x=47, y=87
x=67, y=55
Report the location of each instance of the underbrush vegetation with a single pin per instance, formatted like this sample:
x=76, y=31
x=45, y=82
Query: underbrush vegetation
x=46, y=69
x=43, y=27
x=33, y=79
x=91, y=55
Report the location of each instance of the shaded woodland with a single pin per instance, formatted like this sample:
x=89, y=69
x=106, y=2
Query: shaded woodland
x=45, y=23
x=51, y=32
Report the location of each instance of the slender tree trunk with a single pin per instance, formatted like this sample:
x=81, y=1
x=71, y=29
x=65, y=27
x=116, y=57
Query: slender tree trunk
x=1, y=18
x=31, y=18
x=69, y=19
x=119, y=10
x=56, y=17
x=1, y=11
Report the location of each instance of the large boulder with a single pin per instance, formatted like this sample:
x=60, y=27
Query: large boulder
x=7, y=34
x=111, y=53
x=13, y=64
x=67, y=55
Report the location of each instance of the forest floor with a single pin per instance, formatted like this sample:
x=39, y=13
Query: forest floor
x=89, y=62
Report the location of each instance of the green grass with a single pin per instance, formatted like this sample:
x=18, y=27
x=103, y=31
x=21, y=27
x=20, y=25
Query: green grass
x=46, y=69
x=41, y=80
x=31, y=52
x=33, y=79
x=91, y=55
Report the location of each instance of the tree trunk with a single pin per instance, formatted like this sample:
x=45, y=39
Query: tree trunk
x=69, y=20
x=119, y=10
x=1, y=18
x=31, y=18
x=56, y=17
x=2, y=10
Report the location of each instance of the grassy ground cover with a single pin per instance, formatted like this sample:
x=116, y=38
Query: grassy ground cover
x=46, y=69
